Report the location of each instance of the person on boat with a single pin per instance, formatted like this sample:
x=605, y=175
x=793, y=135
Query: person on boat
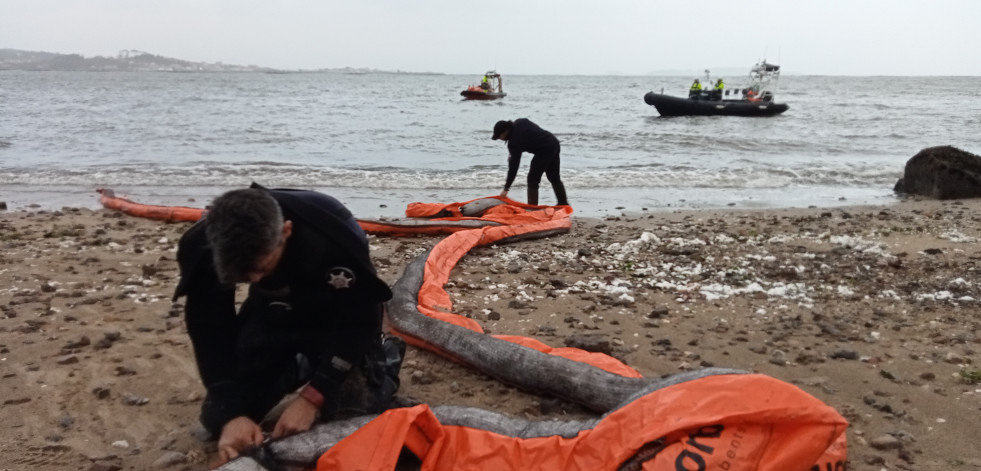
x=696, y=88
x=522, y=135
x=311, y=321
x=717, y=89
x=485, y=83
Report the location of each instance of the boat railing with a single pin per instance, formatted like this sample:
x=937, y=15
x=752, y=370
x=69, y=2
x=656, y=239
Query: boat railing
x=751, y=93
x=494, y=83
x=763, y=80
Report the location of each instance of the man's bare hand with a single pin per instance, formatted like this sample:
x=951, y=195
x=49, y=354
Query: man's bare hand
x=237, y=435
x=504, y=194
x=298, y=417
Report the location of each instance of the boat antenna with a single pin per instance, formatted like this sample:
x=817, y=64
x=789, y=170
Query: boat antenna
x=780, y=62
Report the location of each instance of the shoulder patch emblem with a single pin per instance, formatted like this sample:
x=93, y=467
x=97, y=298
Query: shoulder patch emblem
x=340, y=277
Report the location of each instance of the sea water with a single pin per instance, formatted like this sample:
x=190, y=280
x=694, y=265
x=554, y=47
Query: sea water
x=379, y=141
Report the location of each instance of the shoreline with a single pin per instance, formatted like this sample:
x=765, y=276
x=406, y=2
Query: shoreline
x=589, y=203
x=871, y=308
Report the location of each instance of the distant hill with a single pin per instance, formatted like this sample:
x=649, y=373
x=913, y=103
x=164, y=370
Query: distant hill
x=139, y=61
x=126, y=60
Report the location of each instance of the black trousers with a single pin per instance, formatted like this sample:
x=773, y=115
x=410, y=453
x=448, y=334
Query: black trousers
x=547, y=164
x=277, y=355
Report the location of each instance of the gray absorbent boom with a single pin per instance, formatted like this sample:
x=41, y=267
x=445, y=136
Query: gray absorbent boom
x=303, y=450
x=514, y=364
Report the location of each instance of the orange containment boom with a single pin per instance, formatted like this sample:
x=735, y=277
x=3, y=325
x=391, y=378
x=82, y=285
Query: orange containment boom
x=423, y=218
x=439, y=218
x=706, y=419
x=732, y=422
x=109, y=200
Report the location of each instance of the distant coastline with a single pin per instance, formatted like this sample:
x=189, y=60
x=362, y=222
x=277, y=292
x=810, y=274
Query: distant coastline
x=131, y=60
x=139, y=61
x=126, y=60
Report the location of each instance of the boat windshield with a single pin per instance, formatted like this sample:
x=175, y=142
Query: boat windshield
x=491, y=81
x=763, y=79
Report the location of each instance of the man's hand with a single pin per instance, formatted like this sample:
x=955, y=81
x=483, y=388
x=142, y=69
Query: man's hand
x=237, y=435
x=298, y=417
x=504, y=194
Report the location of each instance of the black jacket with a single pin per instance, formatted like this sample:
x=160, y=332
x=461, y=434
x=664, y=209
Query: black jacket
x=326, y=244
x=526, y=136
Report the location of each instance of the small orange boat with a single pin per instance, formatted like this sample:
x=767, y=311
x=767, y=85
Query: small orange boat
x=490, y=88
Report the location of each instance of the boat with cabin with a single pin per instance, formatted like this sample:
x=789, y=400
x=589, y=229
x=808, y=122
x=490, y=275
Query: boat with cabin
x=491, y=87
x=755, y=99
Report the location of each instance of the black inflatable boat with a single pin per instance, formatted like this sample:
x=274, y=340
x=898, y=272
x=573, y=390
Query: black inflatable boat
x=668, y=105
x=755, y=99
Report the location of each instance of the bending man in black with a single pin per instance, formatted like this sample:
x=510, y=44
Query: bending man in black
x=523, y=135
x=311, y=321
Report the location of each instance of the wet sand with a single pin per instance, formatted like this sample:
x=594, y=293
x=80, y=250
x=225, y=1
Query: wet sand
x=875, y=310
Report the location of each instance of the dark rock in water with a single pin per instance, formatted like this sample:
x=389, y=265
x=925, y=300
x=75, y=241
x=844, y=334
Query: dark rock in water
x=942, y=172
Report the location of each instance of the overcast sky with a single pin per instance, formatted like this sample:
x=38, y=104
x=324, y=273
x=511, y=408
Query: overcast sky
x=629, y=37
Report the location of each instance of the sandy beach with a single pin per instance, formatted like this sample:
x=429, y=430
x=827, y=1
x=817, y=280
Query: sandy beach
x=875, y=310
